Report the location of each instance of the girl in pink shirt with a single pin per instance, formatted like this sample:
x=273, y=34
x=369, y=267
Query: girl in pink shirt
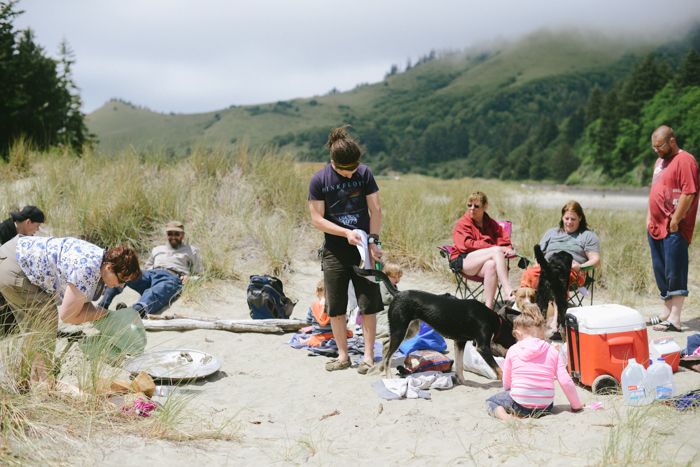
x=529, y=371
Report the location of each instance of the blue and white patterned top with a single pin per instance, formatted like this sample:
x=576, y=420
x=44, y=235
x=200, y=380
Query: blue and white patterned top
x=51, y=263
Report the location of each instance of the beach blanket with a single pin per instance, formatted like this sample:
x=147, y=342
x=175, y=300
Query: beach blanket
x=328, y=348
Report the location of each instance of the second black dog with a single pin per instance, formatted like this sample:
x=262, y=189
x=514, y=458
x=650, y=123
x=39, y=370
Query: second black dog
x=456, y=319
x=554, y=283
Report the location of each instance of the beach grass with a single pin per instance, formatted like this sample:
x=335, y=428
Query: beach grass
x=649, y=435
x=243, y=207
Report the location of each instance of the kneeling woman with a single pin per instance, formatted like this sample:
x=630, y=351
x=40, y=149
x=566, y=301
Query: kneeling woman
x=38, y=272
x=481, y=247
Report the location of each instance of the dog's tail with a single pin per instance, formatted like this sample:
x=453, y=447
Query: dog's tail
x=377, y=273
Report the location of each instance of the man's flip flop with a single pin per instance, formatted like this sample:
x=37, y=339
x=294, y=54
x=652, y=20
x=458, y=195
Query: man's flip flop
x=334, y=365
x=666, y=326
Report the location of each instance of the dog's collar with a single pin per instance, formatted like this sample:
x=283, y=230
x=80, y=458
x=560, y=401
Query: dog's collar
x=500, y=325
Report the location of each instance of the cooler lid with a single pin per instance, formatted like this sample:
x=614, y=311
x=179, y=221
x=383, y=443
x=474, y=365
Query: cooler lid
x=610, y=317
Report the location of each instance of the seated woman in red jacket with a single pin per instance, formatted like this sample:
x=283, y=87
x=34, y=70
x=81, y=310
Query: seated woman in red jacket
x=481, y=247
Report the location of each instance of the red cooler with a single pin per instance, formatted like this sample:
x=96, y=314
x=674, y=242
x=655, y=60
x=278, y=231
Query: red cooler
x=600, y=341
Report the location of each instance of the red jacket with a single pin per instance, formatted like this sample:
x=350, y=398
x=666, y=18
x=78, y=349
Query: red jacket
x=467, y=237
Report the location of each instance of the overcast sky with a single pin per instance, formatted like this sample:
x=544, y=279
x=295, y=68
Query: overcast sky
x=194, y=56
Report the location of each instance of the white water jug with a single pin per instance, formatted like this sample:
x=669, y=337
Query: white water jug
x=634, y=391
x=660, y=379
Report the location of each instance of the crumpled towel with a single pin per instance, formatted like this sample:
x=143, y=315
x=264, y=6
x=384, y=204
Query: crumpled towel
x=413, y=386
x=141, y=407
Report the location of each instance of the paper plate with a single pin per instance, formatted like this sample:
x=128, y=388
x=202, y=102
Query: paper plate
x=174, y=364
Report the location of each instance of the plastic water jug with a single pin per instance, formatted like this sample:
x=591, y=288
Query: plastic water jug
x=121, y=334
x=634, y=390
x=660, y=379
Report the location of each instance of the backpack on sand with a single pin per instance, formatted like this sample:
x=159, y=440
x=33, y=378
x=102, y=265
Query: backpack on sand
x=266, y=299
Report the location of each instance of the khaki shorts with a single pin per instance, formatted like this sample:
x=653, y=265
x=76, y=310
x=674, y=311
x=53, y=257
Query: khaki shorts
x=26, y=299
x=36, y=315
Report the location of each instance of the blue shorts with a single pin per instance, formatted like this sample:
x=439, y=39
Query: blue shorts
x=669, y=258
x=503, y=399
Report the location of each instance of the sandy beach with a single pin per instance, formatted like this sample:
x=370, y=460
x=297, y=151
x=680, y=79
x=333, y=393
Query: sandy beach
x=284, y=408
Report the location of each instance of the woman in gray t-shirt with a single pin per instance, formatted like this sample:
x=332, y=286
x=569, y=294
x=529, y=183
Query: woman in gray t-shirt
x=572, y=236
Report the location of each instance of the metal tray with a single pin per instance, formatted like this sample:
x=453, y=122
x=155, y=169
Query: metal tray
x=174, y=365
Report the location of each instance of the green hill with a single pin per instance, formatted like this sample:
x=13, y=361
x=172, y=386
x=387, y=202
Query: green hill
x=490, y=111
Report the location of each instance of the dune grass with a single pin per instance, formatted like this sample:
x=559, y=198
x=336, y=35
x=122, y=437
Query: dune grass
x=651, y=435
x=247, y=208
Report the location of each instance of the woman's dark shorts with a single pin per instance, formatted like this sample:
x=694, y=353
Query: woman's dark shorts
x=337, y=264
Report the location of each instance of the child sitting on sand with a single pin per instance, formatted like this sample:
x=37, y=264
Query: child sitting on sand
x=316, y=315
x=529, y=371
x=394, y=272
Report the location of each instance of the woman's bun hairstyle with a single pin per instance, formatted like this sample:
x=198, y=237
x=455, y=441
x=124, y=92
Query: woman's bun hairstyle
x=345, y=152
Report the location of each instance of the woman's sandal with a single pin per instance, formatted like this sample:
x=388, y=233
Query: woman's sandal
x=654, y=320
x=666, y=326
x=336, y=364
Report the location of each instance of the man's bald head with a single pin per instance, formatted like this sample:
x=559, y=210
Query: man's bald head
x=663, y=132
x=663, y=142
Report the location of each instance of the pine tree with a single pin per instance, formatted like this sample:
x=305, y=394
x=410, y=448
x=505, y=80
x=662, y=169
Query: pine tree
x=595, y=102
x=38, y=98
x=610, y=118
x=648, y=77
x=73, y=131
x=689, y=71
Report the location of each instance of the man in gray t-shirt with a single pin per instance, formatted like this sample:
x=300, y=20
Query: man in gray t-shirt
x=167, y=270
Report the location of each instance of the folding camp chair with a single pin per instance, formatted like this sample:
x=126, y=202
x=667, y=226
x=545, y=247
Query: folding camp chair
x=473, y=286
x=578, y=295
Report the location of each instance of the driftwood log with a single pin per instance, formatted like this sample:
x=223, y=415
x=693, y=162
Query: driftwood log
x=269, y=326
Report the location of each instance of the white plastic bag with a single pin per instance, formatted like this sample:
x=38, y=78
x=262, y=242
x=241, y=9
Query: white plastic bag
x=474, y=362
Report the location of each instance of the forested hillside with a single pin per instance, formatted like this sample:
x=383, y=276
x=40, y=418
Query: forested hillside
x=549, y=107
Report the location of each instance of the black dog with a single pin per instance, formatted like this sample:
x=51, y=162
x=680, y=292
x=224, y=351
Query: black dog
x=554, y=282
x=459, y=320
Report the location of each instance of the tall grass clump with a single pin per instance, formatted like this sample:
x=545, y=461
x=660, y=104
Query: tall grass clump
x=20, y=157
x=648, y=435
x=239, y=207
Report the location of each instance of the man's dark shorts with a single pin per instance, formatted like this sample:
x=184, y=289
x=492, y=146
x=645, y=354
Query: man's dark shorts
x=337, y=263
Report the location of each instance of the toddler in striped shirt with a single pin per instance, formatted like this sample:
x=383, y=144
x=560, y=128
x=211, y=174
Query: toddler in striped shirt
x=529, y=371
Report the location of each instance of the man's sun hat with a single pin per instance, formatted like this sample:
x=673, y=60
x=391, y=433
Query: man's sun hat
x=174, y=226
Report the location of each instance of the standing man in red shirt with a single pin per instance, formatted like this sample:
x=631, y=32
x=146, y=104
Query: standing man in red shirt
x=673, y=205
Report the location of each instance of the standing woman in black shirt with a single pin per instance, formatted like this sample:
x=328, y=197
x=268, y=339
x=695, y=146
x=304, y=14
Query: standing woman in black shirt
x=344, y=205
